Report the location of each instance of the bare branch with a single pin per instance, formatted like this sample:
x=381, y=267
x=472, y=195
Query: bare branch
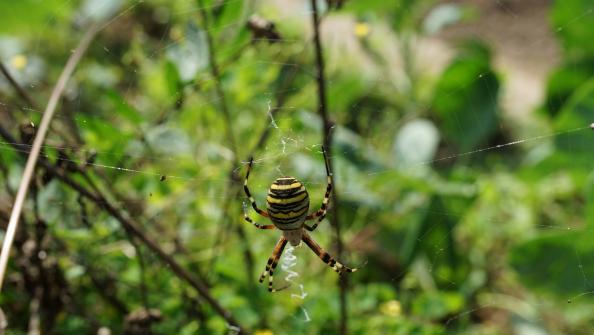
x=96, y=196
x=233, y=176
x=22, y=93
x=134, y=228
x=214, y=70
x=39, y=138
x=105, y=285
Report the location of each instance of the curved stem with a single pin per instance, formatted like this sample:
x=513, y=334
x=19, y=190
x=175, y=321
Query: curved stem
x=39, y=138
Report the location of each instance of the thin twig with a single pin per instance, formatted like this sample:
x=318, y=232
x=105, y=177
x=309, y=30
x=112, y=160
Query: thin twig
x=39, y=138
x=25, y=96
x=106, y=290
x=105, y=285
x=97, y=197
x=22, y=93
x=281, y=98
x=327, y=141
x=141, y=264
x=34, y=312
x=134, y=228
x=119, y=306
x=214, y=69
x=233, y=176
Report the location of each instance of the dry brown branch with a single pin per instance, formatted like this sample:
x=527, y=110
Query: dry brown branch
x=21, y=92
x=95, y=196
x=133, y=228
x=39, y=138
x=233, y=176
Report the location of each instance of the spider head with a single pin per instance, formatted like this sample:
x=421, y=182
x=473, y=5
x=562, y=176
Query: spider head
x=287, y=203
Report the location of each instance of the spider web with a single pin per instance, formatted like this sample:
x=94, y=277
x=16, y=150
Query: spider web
x=292, y=149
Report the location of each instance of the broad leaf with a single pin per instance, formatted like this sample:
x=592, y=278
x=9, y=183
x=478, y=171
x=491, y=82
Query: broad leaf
x=558, y=264
x=466, y=98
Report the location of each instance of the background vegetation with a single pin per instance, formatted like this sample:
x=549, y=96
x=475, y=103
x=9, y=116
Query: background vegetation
x=466, y=198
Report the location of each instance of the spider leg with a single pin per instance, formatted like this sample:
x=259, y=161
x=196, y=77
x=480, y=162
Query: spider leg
x=257, y=225
x=324, y=256
x=247, y=190
x=321, y=213
x=315, y=225
x=272, y=263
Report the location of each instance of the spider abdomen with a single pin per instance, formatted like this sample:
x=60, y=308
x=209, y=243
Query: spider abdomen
x=287, y=203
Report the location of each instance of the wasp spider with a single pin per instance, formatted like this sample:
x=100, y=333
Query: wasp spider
x=287, y=205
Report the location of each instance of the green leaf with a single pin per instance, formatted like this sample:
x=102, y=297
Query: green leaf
x=39, y=15
x=573, y=22
x=172, y=79
x=589, y=196
x=55, y=204
x=436, y=305
x=558, y=264
x=573, y=120
x=466, y=98
x=564, y=81
x=122, y=108
x=228, y=13
x=431, y=235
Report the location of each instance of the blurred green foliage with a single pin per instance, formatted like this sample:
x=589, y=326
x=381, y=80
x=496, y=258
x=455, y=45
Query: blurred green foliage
x=452, y=238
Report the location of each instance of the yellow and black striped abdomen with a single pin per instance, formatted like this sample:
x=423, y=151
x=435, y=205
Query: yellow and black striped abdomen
x=287, y=203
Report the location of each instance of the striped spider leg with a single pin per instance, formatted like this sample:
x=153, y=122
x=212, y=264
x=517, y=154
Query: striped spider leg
x=321, y=213
x=325, y=257
x=280, y=246
x=253, y=201
x=272, y=263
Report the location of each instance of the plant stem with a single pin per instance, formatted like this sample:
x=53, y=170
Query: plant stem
x=214, y=70
x=22, y=93
x=39, y=138
x=327, y=142
x=231, y=191
x=134, y=228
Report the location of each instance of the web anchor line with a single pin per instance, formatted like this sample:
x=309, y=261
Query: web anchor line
x=508, y=144
x=493, y=147
x=26, y=148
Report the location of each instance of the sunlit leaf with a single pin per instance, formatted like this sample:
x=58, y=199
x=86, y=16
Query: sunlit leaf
x=572, y=20
x=40, y=15
x=573, y=121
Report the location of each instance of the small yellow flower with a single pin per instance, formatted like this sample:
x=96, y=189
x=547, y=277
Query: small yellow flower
x=391, y=308
x=19, y=62
x=362, y=29
x=263, y=332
